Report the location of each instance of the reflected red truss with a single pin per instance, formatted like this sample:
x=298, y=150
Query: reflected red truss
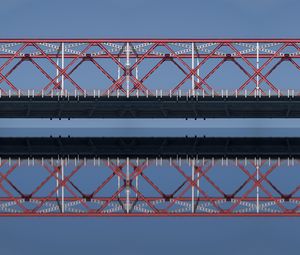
x=149, y=187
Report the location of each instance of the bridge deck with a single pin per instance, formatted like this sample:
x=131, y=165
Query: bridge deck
x=150, y=107
x=164, y=147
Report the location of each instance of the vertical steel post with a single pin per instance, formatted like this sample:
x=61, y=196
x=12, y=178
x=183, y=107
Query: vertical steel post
x=193, y=67
x=198, y=70
x=257, y=188
x=57, y=189
x=127, y=187
x=127, y=68
x=62, y=67
x=136, y=70
x=193, y=186
x=57, y=63
x=119, y=179
x=62, y=186
x=119, y=185
x=137, y=178
x=119, y=70
x=198, y=184
x=257, y=66
x=137, y=184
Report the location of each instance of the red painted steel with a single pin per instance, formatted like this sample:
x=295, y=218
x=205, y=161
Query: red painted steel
x=147, y=66
x=149, y=187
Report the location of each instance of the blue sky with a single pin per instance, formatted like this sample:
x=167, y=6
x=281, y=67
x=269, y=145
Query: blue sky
x=144, y=18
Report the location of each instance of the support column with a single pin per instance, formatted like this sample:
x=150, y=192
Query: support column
x=62, y=67
x=137, y=179
x=257, y=66
x=62, y=186
x=193, y=67
x=119, y=185
x=257, y=188
x=119, y=179
x=198, y=184
x=137, y=184
x=127, y=186
x=193, y=186
x=57, y=184
x=119, y=70
x=57, y=63
x=127, y=68
x=198, y=70
x=136, y=70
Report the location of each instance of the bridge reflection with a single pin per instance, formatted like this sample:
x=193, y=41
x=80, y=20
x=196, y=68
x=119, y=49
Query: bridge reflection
x=205, y=181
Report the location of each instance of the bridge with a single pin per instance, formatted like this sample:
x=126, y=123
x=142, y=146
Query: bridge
x=99, y=177
x=149, y=78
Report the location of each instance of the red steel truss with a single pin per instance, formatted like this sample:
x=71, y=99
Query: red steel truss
x=149, y=66
x=149, y=187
